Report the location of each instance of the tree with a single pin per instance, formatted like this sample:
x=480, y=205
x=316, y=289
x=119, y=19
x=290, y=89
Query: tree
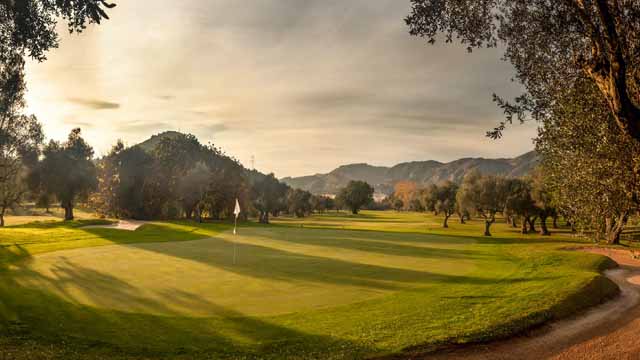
x=193, y=188
x=20, y=136
x=105, y=199
x=544, y=203
x=29, y=26
x=339, y=201
x=485, y=194
x=321, y=203
x=268, y=194
x=356, y=195
x=68, y=171
x=589, y=166
x=398, y=204
x=428, y=198
x=405, y=191
x=416, y=205
x=299, y=202
x=518, y=201
x=551, y=45
x=446, y=200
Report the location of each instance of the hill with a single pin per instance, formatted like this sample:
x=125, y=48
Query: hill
x=151, y=143
x=421, y=172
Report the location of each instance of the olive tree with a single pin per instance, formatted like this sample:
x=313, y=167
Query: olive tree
x=483, y=194
x=29, y=26
x=589, y=166
x=551, y=44
x=445, y=196
x=68, y=172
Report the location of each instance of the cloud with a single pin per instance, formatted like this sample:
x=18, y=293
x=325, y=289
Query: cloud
x=146, y=127
x=95, y=104
x=305, y=86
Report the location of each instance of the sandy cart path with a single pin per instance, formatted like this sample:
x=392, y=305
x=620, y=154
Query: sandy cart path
x=130, y=225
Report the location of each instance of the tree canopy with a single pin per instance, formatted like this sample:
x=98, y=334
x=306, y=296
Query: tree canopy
x=68, y=172
x=551, y=44
x=356, y=195
x=28, y=27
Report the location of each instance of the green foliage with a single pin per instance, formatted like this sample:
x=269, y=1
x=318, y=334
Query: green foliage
x=590, y=167
x=485, y=195
x=67, y=171
x=299, y=202
x=445, y=200
x=269, y=196
x=552, y=46
x=175, y=177
x=356, y=195
x=20, y=136
x=29, y=26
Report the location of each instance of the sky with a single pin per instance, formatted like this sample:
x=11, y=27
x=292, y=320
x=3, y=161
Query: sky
x=303, y=86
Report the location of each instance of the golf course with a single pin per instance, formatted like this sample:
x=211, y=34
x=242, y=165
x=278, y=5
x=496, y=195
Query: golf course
x=328, y=286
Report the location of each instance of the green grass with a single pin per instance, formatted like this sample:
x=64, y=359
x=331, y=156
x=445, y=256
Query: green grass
x=331, y=286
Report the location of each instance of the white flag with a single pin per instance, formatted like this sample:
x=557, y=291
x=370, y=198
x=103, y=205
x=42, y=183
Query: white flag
x=236, y=211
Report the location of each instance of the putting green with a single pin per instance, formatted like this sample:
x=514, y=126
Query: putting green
x=275, y=272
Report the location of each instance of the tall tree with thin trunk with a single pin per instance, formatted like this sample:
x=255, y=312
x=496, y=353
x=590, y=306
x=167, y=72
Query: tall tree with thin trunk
x=20, y=136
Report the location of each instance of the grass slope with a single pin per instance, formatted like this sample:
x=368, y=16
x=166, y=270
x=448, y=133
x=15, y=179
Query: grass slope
x=331, y=286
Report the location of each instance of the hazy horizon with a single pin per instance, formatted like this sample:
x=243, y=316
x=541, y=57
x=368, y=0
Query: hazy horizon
x=303, y=86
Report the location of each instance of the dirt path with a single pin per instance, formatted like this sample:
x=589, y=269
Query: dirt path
x=610, y=331
x=130, y=225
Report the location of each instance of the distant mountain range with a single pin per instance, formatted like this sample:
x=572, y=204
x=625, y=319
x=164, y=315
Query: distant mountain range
x=421, y=172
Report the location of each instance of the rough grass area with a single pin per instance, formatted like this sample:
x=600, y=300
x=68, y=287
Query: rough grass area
x=331, y=286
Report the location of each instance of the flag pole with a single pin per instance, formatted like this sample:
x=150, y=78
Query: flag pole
x=235, y=247
x=236, y=212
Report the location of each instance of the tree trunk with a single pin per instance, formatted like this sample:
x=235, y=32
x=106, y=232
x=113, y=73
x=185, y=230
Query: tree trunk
x=610, y=71
x=614, y=229
x=2, y=217
x=461, y=218
x=68, y=211
x=543, y=226
x=513, y=222
x=487, y=226
x=354, y=211
x=525, y=227
x=446, y=219
x=264, y=217
x=532, y=223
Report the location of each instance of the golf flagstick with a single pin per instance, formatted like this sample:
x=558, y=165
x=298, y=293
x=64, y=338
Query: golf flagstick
x=236, y=212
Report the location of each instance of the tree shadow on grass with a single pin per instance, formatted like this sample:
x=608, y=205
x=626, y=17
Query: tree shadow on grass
x=228, y=334
x=264, y=262
x=382, y=243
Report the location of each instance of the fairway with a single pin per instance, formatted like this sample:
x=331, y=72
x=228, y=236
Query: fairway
x=331, y=286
